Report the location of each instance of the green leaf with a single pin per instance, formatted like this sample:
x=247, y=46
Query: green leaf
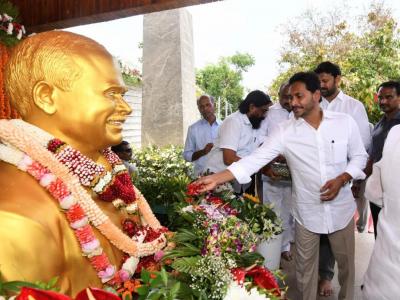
x=145, y=276
x=186, y=264
x=143, y=290
x=175, y=290
x=164, y=276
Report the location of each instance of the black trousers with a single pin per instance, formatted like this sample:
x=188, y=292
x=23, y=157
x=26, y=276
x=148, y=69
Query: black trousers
x=375, y=209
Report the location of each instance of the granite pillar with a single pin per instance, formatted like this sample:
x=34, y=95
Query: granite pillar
x=169, y=104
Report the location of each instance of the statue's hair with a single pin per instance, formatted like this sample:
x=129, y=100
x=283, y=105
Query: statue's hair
x=46, y=56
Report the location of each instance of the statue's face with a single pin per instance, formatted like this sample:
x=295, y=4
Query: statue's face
x=92, y=113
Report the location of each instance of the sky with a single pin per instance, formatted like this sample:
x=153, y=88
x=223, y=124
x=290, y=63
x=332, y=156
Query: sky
x=225, y=27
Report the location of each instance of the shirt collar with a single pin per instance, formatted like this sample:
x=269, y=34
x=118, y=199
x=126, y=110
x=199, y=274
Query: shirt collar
x=339, y=97
x=325, y=115
x=217, y=121
x=244, y=118
x=396, y=117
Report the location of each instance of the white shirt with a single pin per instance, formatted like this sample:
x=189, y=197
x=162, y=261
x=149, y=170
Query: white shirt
x=314, y=156
x=198, y=136
x=381, y=280
x=348, y=105
x=275, y=115
x=236, y=133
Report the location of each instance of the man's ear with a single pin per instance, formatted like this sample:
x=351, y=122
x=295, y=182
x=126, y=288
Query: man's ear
x=338, y=79
x=43, y=97
x=317, y=95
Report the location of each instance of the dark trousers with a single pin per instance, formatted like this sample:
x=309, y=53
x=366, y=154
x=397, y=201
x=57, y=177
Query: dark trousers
x=326, y=258
x=375, y=209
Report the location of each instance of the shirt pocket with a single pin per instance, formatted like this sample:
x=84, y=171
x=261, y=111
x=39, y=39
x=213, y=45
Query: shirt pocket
x=338, y=152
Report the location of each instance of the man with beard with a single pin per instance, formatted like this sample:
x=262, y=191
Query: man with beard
x=238, y=135
x=276, y=189
x=202, y=134
x=389, y=101
x=324, y=151
x=334, y=99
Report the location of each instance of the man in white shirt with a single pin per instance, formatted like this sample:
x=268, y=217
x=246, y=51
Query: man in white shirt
x=324, y=152
x=278, y=190
x=381, y=279
x=238, y=135
x=202, y=134
x=335, y=100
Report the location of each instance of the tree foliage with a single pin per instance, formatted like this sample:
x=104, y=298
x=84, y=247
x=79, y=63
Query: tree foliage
x=368, y=54
x=223, y=79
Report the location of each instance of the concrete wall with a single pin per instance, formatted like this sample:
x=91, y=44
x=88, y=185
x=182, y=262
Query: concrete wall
x=133, y=125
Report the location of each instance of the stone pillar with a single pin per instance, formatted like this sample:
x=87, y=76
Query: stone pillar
x=169, y=100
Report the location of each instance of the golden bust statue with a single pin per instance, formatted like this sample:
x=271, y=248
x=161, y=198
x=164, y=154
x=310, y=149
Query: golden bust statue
x=55, y=168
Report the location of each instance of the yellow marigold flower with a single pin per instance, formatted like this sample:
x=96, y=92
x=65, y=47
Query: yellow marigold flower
x=255, y=199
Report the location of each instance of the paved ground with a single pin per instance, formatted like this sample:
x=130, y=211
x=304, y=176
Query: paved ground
x=364, y=246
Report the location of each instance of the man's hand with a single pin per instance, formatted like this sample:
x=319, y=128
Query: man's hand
x=208, y=148
x=332, y=187
x=210, y=182
x=196, y=155
x=267, y=171
x=356, y=187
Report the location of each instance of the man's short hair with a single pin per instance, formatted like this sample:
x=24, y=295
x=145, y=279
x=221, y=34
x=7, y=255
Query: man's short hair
x=310, y=79
x=257, y=98
x=390, y=84
x=329, y=68
x=282, y=86
x=206, y=96
x=120, y=147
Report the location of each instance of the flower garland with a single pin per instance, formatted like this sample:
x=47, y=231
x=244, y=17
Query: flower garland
x=80, y=207
x=109, y=186
x=10, y=27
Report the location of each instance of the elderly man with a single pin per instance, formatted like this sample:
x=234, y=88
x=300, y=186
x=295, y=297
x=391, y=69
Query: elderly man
x=202, y=134
x=239, y=134
x=58, y=177
x=324, y=152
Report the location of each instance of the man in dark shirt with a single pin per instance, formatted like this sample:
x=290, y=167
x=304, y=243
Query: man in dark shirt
x=389, y=101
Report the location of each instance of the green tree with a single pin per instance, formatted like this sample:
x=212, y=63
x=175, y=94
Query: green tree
x=368, y=54
x=223, y=79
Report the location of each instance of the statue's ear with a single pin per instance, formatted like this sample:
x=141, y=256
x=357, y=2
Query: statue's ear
x=43, y=97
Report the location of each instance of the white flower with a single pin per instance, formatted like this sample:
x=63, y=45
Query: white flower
x=237, y=292
x=188, y=208
x=130, y=265
x=19, y=35
x=10, y=28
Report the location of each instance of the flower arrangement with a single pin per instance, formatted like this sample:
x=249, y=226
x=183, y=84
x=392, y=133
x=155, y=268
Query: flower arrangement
x=10, y=33
x=162, y=172
x=215, y=249
x=131, y=76
x=10, y=30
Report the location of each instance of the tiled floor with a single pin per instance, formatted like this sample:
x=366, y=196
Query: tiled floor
x=364, y=246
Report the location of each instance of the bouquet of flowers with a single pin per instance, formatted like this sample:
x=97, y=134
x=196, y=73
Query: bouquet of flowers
x=10, y=30
x=215, y=249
